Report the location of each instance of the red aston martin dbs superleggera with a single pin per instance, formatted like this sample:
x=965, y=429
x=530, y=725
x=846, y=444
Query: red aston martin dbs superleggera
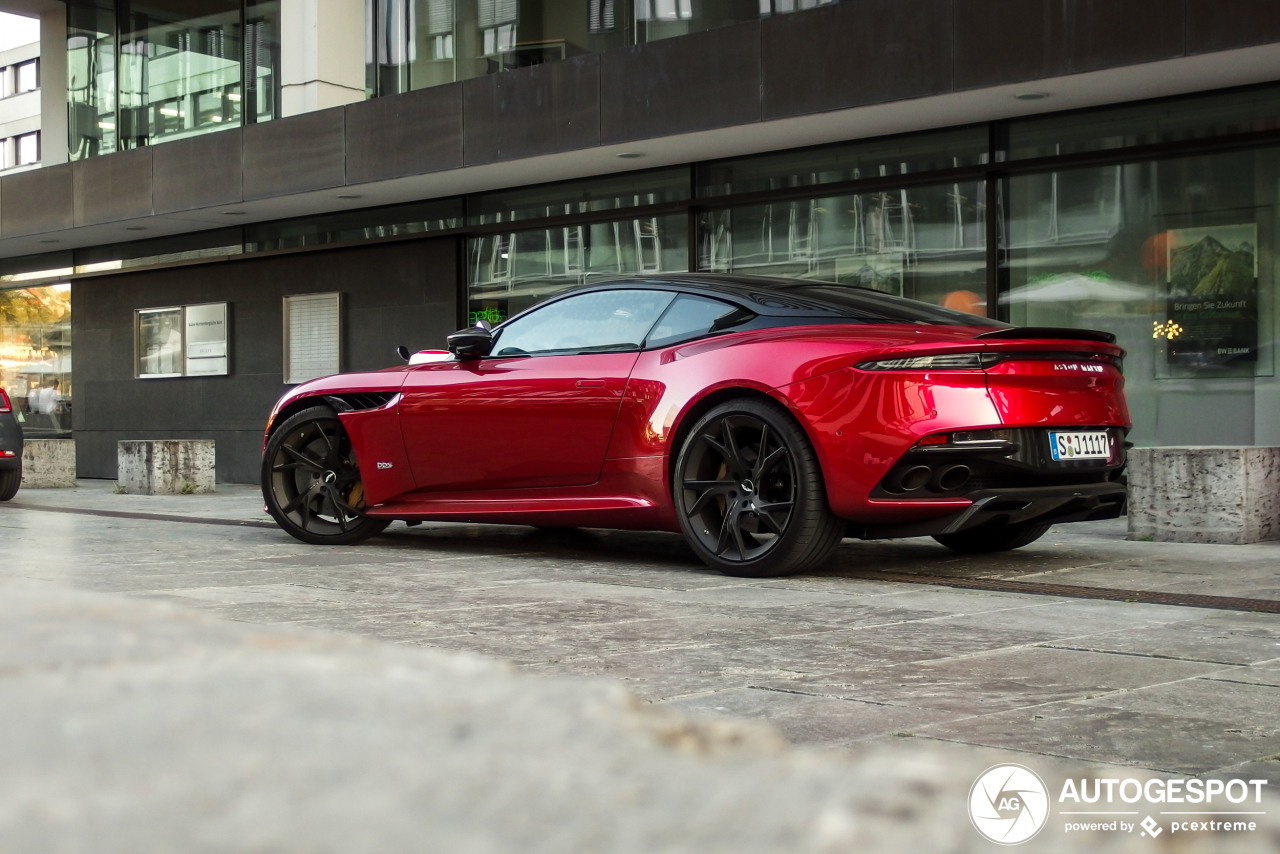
x=764, y=419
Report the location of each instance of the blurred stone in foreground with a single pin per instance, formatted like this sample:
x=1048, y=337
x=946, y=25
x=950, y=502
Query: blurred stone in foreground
x=135, y=727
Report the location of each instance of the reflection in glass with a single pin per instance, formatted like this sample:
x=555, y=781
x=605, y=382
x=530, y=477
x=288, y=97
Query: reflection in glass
x=1176, y=258
x=35, y=358
x=1201, y=117
x=412, y=44
x=394, y=221
x=615, y=192
x=507, y=273
x=179, y=69
x=91, y=79
x=924, y=243
x=899, y=155
x=146, y=71
x=160, y=342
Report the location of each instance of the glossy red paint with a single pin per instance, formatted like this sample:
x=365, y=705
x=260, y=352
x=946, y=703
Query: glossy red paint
x=589, y=440
x=512, y=423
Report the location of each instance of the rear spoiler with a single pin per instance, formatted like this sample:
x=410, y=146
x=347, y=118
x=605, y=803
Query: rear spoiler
x=1052, y=332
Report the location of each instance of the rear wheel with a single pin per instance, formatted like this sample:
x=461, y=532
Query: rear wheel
x=311, y=481
x=749, y=493
x=10, y=480
x=994, y=539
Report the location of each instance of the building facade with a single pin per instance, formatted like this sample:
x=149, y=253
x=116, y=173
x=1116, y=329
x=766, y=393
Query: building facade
x=250, y=194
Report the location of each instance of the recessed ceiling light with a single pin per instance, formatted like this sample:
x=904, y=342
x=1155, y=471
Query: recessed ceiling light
x=134, y=228
x=1031, y=96
x=233, y=213
x=50, y=241
x=630, y=155
x=348, y=196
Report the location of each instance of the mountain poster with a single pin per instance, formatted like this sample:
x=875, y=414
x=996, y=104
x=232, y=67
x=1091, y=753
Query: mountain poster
x=1213, y=296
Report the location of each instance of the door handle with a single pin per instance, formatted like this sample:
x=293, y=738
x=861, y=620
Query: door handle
x=590, y=383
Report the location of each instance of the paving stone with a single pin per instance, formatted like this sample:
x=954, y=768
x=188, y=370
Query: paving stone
x=1165, y=742
x=992, y=682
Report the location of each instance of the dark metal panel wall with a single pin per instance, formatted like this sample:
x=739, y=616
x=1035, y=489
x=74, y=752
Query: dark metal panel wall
x=306, y=152
x=540, y=110
x=403, y=293
x=409, y=134
x=37, y=201
x=852, y=54
x=198, y=172
x=1214, y=25
x=697, y=82
x=108, y=189
x=1006, y=41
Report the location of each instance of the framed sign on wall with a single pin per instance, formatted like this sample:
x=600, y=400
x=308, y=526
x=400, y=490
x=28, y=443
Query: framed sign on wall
x=181, y=341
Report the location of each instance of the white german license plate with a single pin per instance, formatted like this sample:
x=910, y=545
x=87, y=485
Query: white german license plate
x=1080, y=446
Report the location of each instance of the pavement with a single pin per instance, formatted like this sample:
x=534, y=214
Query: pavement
x=178, y=674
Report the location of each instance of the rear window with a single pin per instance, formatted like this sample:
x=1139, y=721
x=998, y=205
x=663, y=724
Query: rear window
x=875, y=305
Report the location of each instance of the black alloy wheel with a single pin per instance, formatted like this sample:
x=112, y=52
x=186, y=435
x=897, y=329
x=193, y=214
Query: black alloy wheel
x=311, y=481
x=749, y=493
x=10, y=480
x=998, y=538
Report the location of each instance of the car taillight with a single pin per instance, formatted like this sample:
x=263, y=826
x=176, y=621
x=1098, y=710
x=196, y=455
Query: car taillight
x=4, y=402
x=943, y=362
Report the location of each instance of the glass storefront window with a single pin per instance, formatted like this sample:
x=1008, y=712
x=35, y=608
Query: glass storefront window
x=179, y=69
x=146, y=71
x=1177, y=258
x=1201, y=117
x=35, y=358
x=412, y=44
x=509, y=272
x=91, y=79
x=924, y=243
x=615, y=192
x=357, y=225
x=902, y=155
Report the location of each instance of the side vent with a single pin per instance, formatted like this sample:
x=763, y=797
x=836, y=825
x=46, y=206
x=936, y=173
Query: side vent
x=359, y=401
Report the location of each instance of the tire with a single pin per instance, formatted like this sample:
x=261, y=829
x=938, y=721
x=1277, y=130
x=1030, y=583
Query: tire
x=10, y=480
x=749, y=493
x=994, y=539
x=311, y=481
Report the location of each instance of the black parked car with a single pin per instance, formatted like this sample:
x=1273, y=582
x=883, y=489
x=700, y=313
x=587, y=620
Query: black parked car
x=10, y=449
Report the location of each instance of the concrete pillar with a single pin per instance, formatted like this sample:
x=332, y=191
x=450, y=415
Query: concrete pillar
x=166, y=466
x=321, y=54
x=53, y=85
x=1204, y=494
x=48, y=463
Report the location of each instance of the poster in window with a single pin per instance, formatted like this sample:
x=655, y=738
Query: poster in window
x=1213, y=296
x=160, y=342
x=206, y=328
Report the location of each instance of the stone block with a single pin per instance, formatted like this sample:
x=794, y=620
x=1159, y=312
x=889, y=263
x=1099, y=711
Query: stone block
x=166, y=466
x=48, y=463
x=1204, y=494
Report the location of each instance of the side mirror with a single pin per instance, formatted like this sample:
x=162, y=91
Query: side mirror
x=473, y=343
x=403, y=352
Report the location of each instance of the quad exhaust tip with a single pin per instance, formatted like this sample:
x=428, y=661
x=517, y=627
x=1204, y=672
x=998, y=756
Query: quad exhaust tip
x=944, y=479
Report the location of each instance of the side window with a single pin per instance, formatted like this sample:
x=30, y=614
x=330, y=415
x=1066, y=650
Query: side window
x=691, y=317
x=600, y=322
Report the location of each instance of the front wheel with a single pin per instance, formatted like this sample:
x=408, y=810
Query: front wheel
x=311, y=481
x=749, y=493
x=10, y=480
x=999, y=539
